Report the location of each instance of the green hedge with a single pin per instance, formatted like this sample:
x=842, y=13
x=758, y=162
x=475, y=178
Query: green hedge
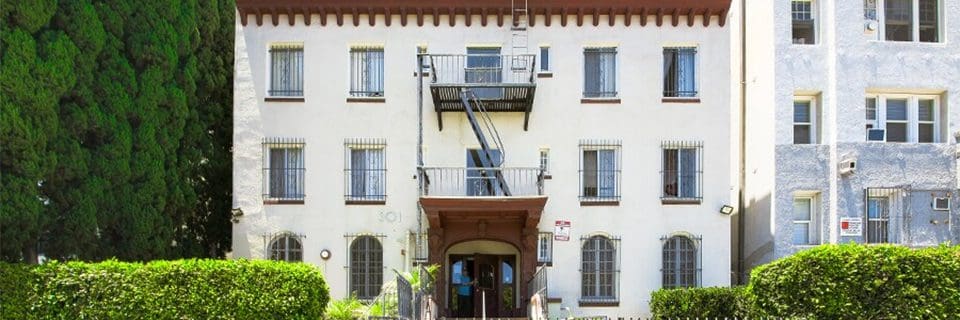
x=700, y=302
x=861, y=282
x=183, y=289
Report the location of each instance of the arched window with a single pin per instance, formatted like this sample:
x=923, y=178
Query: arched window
x=680, y=263
x=286, y=247
x=598, y=269
x=366, y=267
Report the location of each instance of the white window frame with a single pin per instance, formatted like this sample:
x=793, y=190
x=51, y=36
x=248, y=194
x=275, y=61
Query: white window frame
x=871, y=123
x=548, y=68
x=815, y=16
x=813, y=233
x=915, y=19
x=814, y=117
x=545, y=248
x=913, y=115
x=545, y=160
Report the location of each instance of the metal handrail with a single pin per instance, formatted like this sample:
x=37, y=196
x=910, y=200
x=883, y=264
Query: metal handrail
x=479, y=182
x=482, y=69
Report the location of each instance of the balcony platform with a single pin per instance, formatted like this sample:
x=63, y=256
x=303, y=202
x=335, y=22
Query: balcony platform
x=501, y=83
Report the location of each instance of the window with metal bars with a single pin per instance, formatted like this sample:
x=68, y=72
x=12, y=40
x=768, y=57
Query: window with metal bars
x=681, y=261
x=600, y=72
x=804, y=17
x=682, y=171
x=880, y=205
x=365, y=174
x=599, y=269
x=366, y=267
x=600, y=170
x=366, y=72
x=286, y=247
x=419, y=245
x=286, y=70
x=680, y=72
x=545, y=248
x=283, y=170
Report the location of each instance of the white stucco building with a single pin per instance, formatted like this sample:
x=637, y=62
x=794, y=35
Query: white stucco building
x=852, y=124
x=353, y=149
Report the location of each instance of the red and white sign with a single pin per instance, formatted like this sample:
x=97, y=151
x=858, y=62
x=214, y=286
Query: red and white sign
x=851, y=227
x=561, y=230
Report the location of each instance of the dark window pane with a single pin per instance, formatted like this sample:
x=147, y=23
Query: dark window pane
x=925, y=132
x=801, y=134
x=896, y=132
x=898, y=16
x=544, y=58
x=897, y=109
x=801, y=111
x=929, y=21
x=926, y=110
x=670, y=169
x=590, y=173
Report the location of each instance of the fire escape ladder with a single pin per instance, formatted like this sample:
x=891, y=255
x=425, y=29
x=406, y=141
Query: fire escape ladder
x=487, y=159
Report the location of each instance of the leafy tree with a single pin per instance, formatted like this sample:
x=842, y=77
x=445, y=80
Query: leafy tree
x=115, y=128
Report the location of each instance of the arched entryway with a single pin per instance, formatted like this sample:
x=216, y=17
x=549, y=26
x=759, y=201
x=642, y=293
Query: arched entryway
x=483, y=278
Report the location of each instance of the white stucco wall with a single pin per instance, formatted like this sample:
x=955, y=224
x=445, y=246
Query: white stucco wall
x=845, y=65
x=558, y=122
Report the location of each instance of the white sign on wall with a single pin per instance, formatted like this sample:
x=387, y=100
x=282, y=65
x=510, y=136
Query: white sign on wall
x=851, y=227
x=561, y=230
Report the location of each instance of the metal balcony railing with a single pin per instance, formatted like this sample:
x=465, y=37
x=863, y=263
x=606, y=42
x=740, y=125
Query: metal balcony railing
x=480, y=182
x=481, y=70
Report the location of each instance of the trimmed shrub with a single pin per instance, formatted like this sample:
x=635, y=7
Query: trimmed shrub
x=861, y=282
x=16, y=288
x=183, y=289
x=700, y=302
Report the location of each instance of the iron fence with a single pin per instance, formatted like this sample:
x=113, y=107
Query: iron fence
x=479, y=69
x=404, y=298
x=538, y=286
x=480, y=182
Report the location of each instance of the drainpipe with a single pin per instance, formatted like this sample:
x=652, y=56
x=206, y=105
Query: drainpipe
x=419, y=77
x=743, y=139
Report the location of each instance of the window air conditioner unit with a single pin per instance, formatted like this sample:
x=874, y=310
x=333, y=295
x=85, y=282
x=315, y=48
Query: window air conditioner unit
x=848, y=166
x=876, y=135
x=941, y=203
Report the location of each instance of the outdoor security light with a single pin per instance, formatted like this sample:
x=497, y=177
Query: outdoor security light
x=726, y=209
x=325, y=254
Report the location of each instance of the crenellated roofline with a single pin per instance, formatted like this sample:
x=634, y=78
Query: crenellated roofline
x=538, y=9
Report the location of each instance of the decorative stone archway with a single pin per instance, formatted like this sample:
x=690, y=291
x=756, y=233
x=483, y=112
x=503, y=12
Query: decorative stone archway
x=511, y=220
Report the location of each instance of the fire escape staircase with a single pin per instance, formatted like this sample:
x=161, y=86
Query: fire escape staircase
x=487, y=159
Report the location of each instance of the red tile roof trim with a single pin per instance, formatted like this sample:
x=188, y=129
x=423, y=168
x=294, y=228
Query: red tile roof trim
x=538, y=9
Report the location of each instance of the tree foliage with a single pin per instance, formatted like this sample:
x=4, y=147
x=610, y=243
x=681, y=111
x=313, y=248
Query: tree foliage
x=115, y=128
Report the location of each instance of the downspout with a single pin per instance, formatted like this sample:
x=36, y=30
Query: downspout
x=419, y=174
x=743, y=140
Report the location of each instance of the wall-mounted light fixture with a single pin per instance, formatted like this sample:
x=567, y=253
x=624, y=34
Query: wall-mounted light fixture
x=726, y=209
x=325, y=254
x=236, y=213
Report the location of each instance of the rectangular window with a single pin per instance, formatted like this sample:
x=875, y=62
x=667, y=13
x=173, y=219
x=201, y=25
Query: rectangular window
x=878, y=219
x=600, y=171
x=870, y=105
x=283, y=170
x=804, y=121
x=870, y=10
x=680, y=72
x=545, y=248
x=899, y=20
x=286, y=70
x=366, y=72
x=544, y=59
x=911, y=20
x=485, y=65
x=545, y=161
x=804, y=221
x=600, y=72
x=682, y=171
x=804, y=21
x=425, y=60
x=905, y=118
x=896, y=120
x=365, y=172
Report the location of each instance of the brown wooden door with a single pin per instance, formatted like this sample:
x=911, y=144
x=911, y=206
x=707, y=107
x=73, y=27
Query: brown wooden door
x=487, y=287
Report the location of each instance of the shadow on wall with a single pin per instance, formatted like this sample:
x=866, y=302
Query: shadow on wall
x=758, y=241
